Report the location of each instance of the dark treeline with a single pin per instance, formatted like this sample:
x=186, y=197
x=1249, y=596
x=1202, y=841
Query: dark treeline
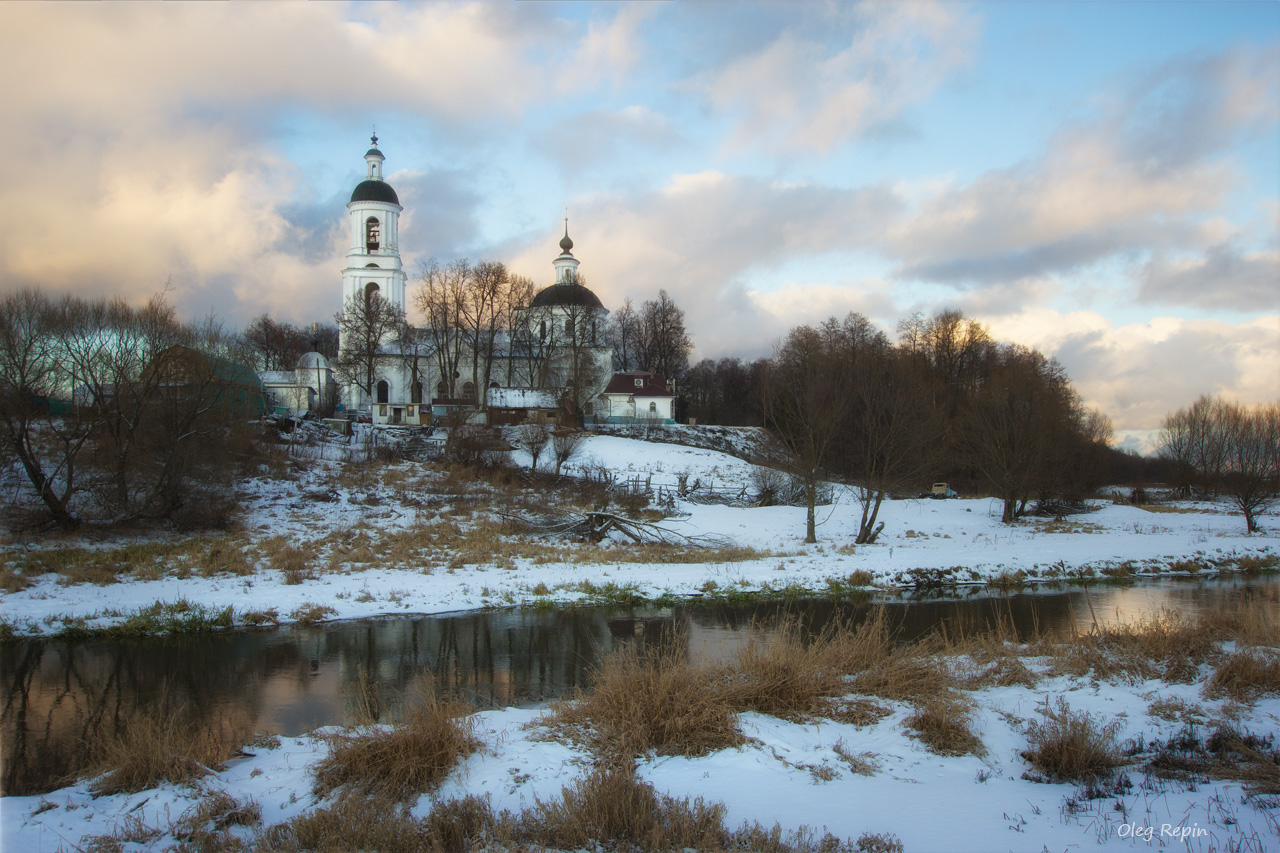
x=945, y=402
x=1215, y=447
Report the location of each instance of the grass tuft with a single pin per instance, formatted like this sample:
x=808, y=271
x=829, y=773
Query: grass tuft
x=653, y=700
x=1066, y=745
x=150, y=748
x=403, y=761
x=1246, y=675
x=943, y=724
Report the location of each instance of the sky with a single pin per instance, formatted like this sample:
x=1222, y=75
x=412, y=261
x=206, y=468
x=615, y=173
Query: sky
x=1097, y=180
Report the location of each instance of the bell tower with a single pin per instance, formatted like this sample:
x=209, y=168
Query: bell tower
x=373, y=259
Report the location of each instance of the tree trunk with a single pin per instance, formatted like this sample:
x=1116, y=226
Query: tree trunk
x=811, y=494
x=1010, y=503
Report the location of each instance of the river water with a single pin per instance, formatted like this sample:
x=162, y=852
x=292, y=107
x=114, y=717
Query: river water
x=60, y=696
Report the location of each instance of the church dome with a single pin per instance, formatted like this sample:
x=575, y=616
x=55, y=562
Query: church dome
x=312, y=361
x=566, y=294
x=374, y=191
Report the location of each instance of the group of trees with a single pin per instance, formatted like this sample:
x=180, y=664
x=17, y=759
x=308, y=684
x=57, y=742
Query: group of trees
x=478, y=329
x=651, y=337
x=274, y=345
x=1220, y=447
x=945, y=402
x=122, y=410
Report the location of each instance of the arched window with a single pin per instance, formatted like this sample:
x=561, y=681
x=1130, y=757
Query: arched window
x=384, y=391
x=568, y=328
x=415, y=393
x=542, y=332
x=442, y=389
x=372, y=234
x=653, y=408
x=372, y=267
x=469, y=390
x=371, y=292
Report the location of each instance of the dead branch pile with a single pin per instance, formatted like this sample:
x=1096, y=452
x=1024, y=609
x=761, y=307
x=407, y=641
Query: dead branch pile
x=597, y=525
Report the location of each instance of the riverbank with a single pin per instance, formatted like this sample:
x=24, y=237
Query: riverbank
x=350, y=540
x=941, y=745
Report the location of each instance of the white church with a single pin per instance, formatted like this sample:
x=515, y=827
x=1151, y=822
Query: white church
x=556, y=351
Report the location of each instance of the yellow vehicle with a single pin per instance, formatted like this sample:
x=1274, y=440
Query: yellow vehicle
x=941, y=491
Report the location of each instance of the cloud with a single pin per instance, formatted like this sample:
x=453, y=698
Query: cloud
x=604, y=137
x=1139, y=372
x=1138, y=177
x=142, y=147
x=804, y=91
x=701, y=237
x=1223, y=277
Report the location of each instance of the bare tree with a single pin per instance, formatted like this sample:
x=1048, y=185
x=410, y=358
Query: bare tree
x=565, y=444
x=664, y=345
x=36, y=383
x=623, y=335
x=1227, y=447
x=1016, y=422
x=275, y=346
x=365, y=325
x=805, y=399
x=532, y=439
x=442, y=299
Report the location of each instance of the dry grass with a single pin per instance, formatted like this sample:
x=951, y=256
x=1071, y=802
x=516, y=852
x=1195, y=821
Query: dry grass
x=1246, y=675
x=311, y=613
x=351, y=823
x=208, y=825
x=404, y=761
x=12, y=580
x=1167, y=646
x=1225, y=754
x=783, y=676
x=943, y=724
x=149, y=748
x=610, y=807
x=213, y=557
x=652, y=700
x=1066, y=745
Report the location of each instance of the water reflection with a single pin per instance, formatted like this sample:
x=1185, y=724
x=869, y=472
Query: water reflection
x=59, y=696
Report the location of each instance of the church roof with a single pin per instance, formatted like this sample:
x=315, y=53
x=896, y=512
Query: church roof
x=569, y=293
x=374, y=191
x=639, y=383
x=312, y=361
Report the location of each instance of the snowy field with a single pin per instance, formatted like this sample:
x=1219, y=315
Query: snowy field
x=961, y=539
x=793, y=773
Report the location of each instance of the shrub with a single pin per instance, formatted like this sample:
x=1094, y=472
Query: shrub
x=161, y=745
x=403, y=761
x=785, y=677
x=1071, y=746
x=612, y=807
x=1246, y=675
x=652, y=700
x=942, y=724
x=311, y=613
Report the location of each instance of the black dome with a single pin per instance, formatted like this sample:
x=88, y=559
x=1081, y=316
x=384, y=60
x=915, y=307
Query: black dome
x=565, y=294
x=374, y=191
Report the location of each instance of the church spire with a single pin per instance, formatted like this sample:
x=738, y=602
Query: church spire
x=566, y=245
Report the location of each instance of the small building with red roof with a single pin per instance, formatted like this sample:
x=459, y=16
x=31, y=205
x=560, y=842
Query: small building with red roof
x=638, y=396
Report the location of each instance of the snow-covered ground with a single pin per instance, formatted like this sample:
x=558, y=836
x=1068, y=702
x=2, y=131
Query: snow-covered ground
x=794, y=774
x=791, y=773
x=963, y=540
